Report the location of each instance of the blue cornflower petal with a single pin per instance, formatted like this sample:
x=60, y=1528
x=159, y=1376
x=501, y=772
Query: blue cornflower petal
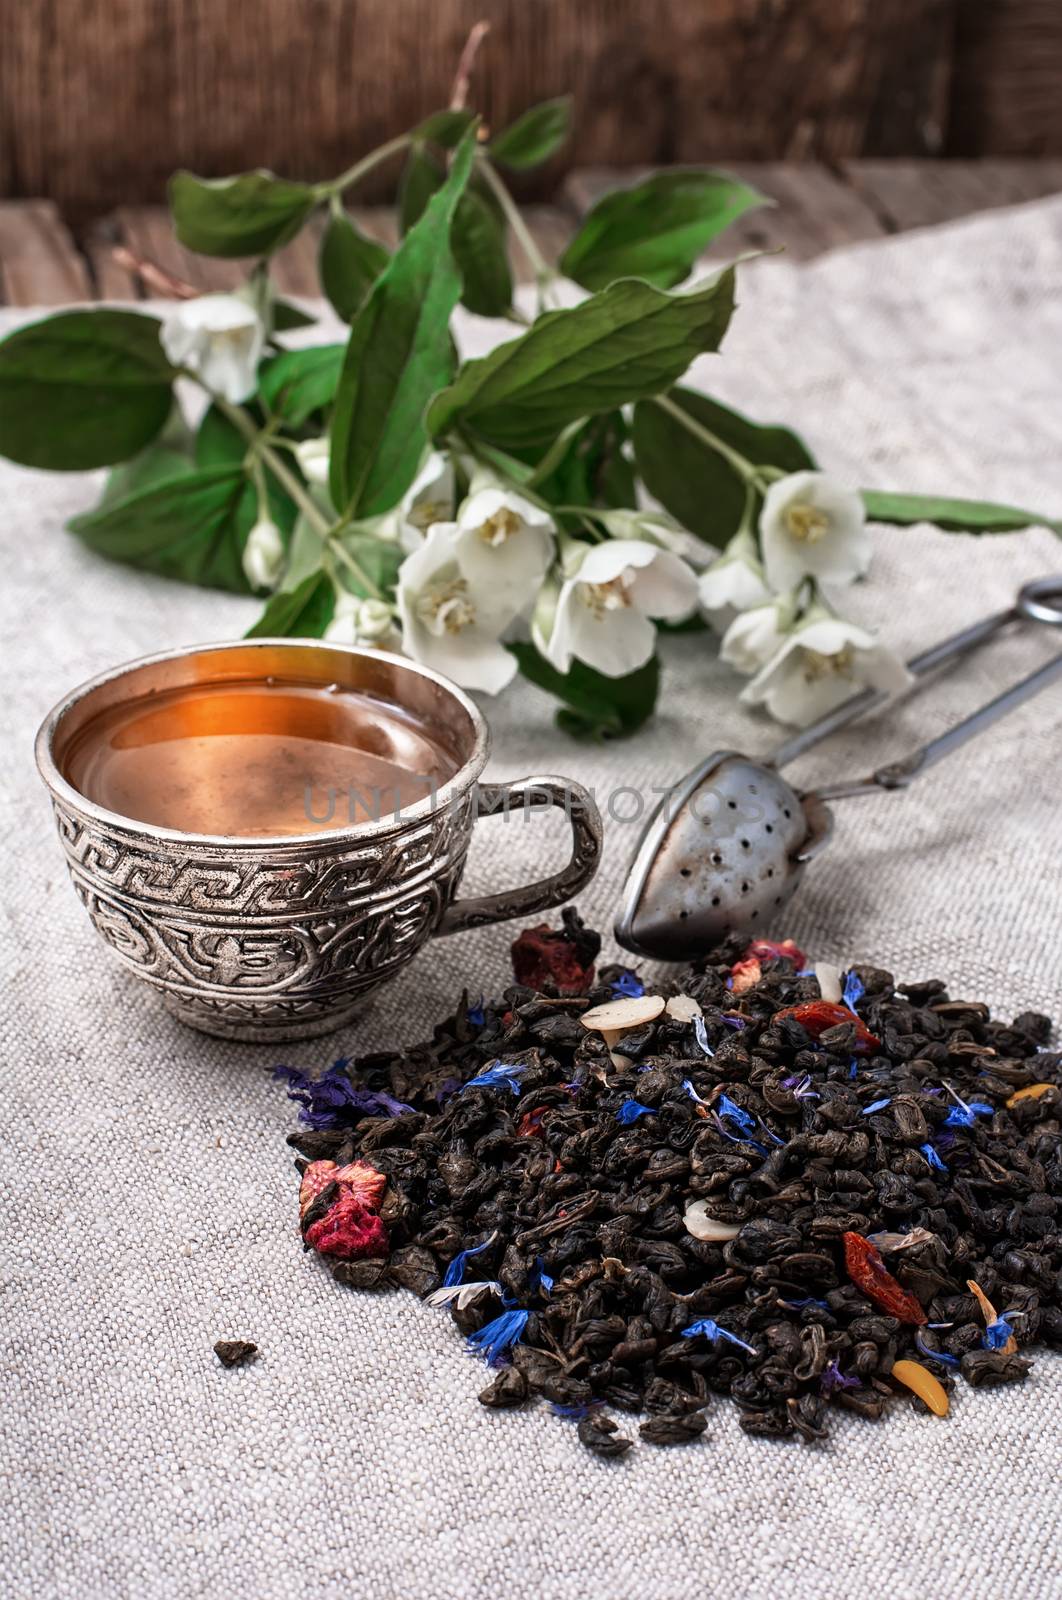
x=732, y=1021
x=734, y=1113
x=631, y=1110
x=456, y=1270
x=498, y=1076
x=333, y=1101
x=833, y=1378
x=493, y=1340
x=710, y=1329
x=997, y=1333
x=538, y=1278
x=854, y=990
x=577, y=1412
x=933, y=1157
x=877, y=1105
x=737, y=1138
x=476, y=1015
x=691, y=1091
x=942, y=1356
x=806, y=972
x=808, y=1300
x=700, y=1033
x=770, y=1134
x=629, y=985
x=853, y=1066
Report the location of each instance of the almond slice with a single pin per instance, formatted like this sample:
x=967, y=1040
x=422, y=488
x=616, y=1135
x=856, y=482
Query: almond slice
x=617, y=1017
x=683, y=1008
x=702, y=1226
x=829, y=981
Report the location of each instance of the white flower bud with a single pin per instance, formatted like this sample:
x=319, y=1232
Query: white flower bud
x=263, y=555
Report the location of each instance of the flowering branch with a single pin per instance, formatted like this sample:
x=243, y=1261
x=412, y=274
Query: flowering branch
x=549, y=508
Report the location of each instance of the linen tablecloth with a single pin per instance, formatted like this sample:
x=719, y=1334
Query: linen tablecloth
x=149, y=1197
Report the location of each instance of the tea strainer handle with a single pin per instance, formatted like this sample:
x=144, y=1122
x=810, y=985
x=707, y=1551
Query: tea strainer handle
x=524, y=795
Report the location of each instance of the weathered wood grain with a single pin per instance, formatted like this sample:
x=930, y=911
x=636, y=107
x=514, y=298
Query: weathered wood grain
x=1005, y=79
x=920, y=194
x=39, y=262
x=101, y=99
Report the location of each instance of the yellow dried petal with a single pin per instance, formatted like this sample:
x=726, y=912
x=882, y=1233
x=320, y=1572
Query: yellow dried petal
x=921, y=1382
x=1033, y=1092
x=988, y=1311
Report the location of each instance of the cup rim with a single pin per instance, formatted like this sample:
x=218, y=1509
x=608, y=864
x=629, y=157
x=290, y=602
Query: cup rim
x=62, y=790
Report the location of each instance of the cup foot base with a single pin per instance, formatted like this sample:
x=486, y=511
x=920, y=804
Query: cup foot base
x=259, y=1030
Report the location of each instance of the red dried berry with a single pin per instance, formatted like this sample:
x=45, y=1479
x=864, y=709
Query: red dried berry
x=562, y=957
x=530, y=1124
x=819, y=1015
x=348, y=1230
x=868, y=1272
x=776, y=950
x=745, y=975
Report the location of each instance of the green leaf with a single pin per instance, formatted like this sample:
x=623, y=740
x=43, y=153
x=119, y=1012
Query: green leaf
x=379, y=559
x=954, y=516
x=478, y=235
x=218, y=443
x=596, y=707
x=193, y=527
x=306, y=552
x=593, y=471
x=398, y=356
x=693, y=481
x=445, y=127
x=478, y=241
x=287, y=316
x=83, y=389
x=657, y=230
x=157, y=464
x=629, y=342
x=300, y=382
x=535, y=136
x=302, y=613
x=349, y=265
x=250, y=215
x=422, y=176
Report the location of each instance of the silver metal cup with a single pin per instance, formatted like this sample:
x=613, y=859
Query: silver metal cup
x=282, y=938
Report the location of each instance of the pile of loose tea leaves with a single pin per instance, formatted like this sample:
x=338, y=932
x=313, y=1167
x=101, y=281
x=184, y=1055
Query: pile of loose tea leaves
x=801, y=1192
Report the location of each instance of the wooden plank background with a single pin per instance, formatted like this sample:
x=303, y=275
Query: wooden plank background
x=101, y=99
x=817, y=208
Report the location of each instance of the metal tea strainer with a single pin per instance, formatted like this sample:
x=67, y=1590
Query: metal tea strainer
x=727, y=847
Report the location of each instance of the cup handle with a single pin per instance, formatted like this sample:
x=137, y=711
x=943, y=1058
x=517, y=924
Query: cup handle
x=533, y=794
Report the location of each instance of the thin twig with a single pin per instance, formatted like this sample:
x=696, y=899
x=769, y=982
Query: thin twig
x=154, y=276
x=459, y=92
